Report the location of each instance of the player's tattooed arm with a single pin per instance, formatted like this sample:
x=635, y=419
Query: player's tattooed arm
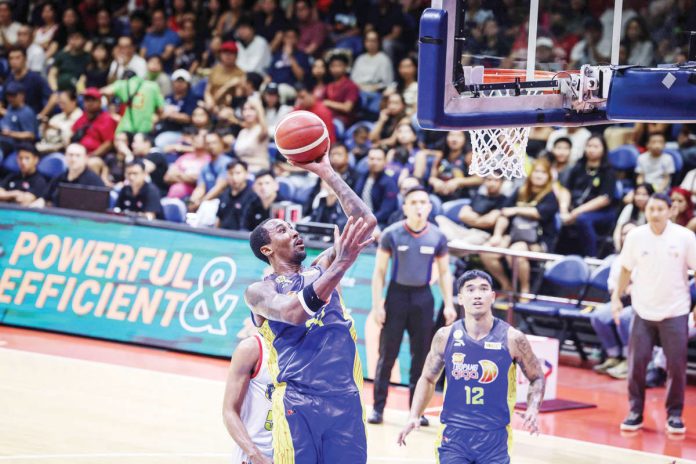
x=435, y=362
x=263, y=300
x=325, y=258
x=531, y=368
x=350, y=201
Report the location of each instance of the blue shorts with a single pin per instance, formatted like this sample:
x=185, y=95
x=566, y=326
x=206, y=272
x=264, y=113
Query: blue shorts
x=318, y=429
x=470, y=446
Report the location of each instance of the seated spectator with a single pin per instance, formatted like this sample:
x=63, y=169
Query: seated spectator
x=578, y=139
x=340, y=162
x=179, y=107
x=156, y=74
x=142, y=99
x=70, y=21
x=273, y=107
x=526, y=223
x=266, y=190
x=326, y=208
x=491, y=43
x=270, y=22
x=251, y=145
x=107, y=30
x=592, y=186
x=372, y=71
x=643, y=130
x=160, y=40
x=77, y=173
x=307, y=101
x=125, y=59
x=342, y=95
x=288, y=64
x=24, y=187
x=687, y=148
x=449, y=176
x=69, y=64
x=49, y=26
x=254, y=52
x=641, y=50
x=590, y=50
x=318, y=79
x=378, y=187
x=559, y=157
x=97, y=70
x=9, y=29
x=360, y=143
x=480, y=217
x=184, y=173
x=212, y=173
x=346, y=19
x=227, y=22
x=57, y=132
x=655, y=167
x=406, y=159
x=313, y=31
x=19, y=124
x=603, y=320
x=95, y=128
x=189, y=53
x=384, y=130
x=633, y=212
x=36, y=57
x=225, y=78
x=682, y=210
x=154, y=160
x=138, y=195
x=39, y=96
x=406, y=83
x=387, y=19
x=236, y=198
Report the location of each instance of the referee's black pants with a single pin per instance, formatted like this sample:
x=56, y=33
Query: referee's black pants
x=409, y=308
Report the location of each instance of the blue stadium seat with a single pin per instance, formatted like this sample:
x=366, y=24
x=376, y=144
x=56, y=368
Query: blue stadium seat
x=10, y=163
x=174, y=210
x=624, y=158
x=285, y=189
x=198, y=88
x=339, y=128
x=113, y=198
x=348, y=135
x=437, y=205
x=676, y=157
x=52, y=165
x=451, y=208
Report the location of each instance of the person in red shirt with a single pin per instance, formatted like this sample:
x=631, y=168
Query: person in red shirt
x=342, y=95
x=307, y=101
x=96, y=128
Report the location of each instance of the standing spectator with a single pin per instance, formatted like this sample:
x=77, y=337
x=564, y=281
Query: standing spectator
x=160, y=40
x=313, y=31
x=406, y=83
x=212, y=173
x=189, y=52
x=125, y=59
x=373, y=70
x=138, y=195
x=655, y=259
x=641, y=50
x=633, y=212
x=95, y=129
x=655, y=167
x=36, y=57
x=274, y=108
x=97, y=71
x=682, y=212
x=413, y=244
x=184, y=173
x=225, y=78
x=8, y=28
x=76, y=173
x=251, y=145
x=254, y=53
x=307, y=101
x=259, y=209
x=19, y=124
x=24, y=187
x=39, y=96
x=69, y=64
x=378, y=188
x=270, y=23
x=44, y=34
x=57, y=131
x=142, y=100
x=342, y=95
x=288, y=64
x=236, y=198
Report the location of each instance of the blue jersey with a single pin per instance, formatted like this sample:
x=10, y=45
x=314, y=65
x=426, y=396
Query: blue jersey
x=480, y=391
x=319, y=357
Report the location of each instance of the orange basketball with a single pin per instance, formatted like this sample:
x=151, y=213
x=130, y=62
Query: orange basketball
x=301, y=136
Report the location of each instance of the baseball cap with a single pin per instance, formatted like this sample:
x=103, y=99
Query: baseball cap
x=92, y=92
x=13, y=88
x=544, y=42
x=271, y=87
x=181, y=74
x=229, y=46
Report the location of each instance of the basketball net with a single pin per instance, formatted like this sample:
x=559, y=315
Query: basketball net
x=499, y=152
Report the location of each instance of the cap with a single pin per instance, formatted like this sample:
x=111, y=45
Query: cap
x=229, y=46
x=181, y=74
x=13, y=88
x=92, y=92
x=544, y=42
x=272, y=87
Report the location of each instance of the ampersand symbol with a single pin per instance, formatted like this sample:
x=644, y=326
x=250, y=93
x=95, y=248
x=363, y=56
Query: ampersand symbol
x=207, y=309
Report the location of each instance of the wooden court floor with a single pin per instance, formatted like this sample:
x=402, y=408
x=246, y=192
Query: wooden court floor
x=62, y=409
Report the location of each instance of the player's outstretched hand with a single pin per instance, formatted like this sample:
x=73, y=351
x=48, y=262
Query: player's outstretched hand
x=413, y=424
x=530, y=421
x=321, y=166
x=348, y=245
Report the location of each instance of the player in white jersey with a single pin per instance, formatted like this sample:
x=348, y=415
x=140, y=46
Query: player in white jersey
x=247, y=405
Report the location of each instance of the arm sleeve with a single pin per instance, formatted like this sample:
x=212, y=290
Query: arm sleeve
x=385, y=242
x=441, y=248
x=548, y=206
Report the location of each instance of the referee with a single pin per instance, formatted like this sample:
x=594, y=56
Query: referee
x=414, y=244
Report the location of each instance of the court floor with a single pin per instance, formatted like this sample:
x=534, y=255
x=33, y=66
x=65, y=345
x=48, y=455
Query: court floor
x=94, y=405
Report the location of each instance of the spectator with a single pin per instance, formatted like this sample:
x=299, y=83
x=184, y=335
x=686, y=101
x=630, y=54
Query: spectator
x=406, y=184
x=347, y=18
x=360, y=143
x=36, y=57
x=251, y=145
x=406, y=83
x=384, y=130
x=342, y=95
x=155, y=74
x=275, y=110
x=39, y=96
x=386, y=18
x=179, y=106
x=641, y=50
x=308, y=102
x=125, y=59
x=24, y=187
x=225, y=78
x=160, y=40
x=340, y=162
x=373, y=70
x=138, y=195
x=44, y=34
x=254, y=52
x=492, y=43
x=227, y=23
x=9, y=29
x=560, y=159
x=589, y=50
x=526, y=223
x=313, y=32
x=57, y=132
x=184, y=173
x=318, y=79
x=288, y=64
x=449, y=176
x=326, y=208
x=180, y=11
x=69, y=64
x=682, y=210
x=155, y=162
x=212, y=173
x=592, y=186
x=266, y=190
x=633, y=212
x=76, y=173
x=377, y=187
x=188, y=54
x=107, y=31
x=406, y=158
x=236, y=198
x=210, y=18
x=142, y=100
x=137, y=22
x=578, y=139
x=270, y=23
x=70, y=21
x=97, y=71
x=655, y=167
x=95, y=129
x=19, y=124
x=643, y=130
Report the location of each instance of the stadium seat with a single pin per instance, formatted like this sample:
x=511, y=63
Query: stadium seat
x=348, y=135
x=451, y=208
x=198, y=89
x=677, y=158
x=113, y=198
x=285, y=189
x=10, y=163
x=437, y=205
x=624, y=158
x=174, y=210
x=52, y=165
x=339, y=128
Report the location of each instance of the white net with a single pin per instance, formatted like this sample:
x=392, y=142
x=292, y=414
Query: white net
x=499, y=152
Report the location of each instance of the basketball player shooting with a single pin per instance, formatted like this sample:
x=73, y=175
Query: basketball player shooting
x=317, y=408
x=478, y=354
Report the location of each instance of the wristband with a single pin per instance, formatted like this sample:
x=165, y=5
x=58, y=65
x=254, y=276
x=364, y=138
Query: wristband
x=310, y=301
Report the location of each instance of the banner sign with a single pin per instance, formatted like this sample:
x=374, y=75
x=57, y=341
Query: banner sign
x=176, y=288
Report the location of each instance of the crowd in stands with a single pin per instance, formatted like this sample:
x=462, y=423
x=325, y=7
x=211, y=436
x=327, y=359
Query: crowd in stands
x=175, y=103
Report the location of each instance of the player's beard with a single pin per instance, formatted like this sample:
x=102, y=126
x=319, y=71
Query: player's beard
x=298, y=257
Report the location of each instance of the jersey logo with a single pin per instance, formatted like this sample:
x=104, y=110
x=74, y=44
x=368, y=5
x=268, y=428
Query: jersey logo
x=489, y=371
x=402, y=247
x=493, y=346
x=461, y=370
x=427, y=250
x=458, y=335
x=282, y=280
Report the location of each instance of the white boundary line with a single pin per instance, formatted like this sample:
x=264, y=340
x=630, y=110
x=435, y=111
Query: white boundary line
x=30, y=457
